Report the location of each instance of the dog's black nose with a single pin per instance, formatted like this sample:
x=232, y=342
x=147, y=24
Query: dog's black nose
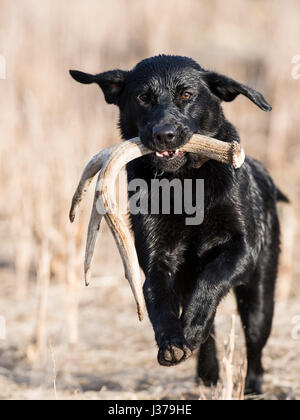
x=164, y=135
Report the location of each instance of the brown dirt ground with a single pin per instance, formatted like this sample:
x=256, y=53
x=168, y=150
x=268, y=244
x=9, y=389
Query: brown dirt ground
x=116, y=355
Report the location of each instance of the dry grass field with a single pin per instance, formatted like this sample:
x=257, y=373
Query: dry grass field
x=62, y=341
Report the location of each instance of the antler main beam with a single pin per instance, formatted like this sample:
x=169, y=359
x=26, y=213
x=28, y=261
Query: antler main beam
x=110, y=162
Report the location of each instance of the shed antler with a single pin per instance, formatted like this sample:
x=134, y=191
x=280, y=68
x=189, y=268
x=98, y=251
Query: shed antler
x=110, y=162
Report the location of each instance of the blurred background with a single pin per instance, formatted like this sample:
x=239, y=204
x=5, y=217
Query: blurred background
x=58, y=339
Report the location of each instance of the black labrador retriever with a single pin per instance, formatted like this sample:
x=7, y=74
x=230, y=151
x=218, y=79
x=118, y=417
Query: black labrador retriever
x=189, y=269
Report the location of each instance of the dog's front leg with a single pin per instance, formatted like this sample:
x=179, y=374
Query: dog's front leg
x=164, y=311
x=233, y=265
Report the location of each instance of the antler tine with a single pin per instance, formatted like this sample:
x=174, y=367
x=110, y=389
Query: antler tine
x=92, y=168
x=93, y=230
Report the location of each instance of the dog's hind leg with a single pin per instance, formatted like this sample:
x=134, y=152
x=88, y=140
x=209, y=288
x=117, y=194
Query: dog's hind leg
x=256, y=307
x=208, y=366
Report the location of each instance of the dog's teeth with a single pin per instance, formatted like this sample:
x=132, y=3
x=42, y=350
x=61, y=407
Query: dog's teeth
x=168, y=154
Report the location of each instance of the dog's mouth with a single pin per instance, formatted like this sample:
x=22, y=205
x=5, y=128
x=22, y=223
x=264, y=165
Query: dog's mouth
x=169, y=155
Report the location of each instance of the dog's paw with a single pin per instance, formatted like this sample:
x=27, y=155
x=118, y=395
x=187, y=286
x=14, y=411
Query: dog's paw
x=254, y=385
x=208, y=374
x=207, y=378
x=173, y=353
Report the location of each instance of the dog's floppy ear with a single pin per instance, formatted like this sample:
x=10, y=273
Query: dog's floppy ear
x=111, y=82
x=228, y=89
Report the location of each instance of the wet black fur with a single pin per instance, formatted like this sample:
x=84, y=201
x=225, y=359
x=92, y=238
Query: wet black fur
x=189, y=269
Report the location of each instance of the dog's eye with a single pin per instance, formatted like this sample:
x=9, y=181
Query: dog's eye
x=186, y=95
x=144, y=98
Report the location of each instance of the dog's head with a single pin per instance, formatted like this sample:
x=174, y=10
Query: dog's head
x=166, y=99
